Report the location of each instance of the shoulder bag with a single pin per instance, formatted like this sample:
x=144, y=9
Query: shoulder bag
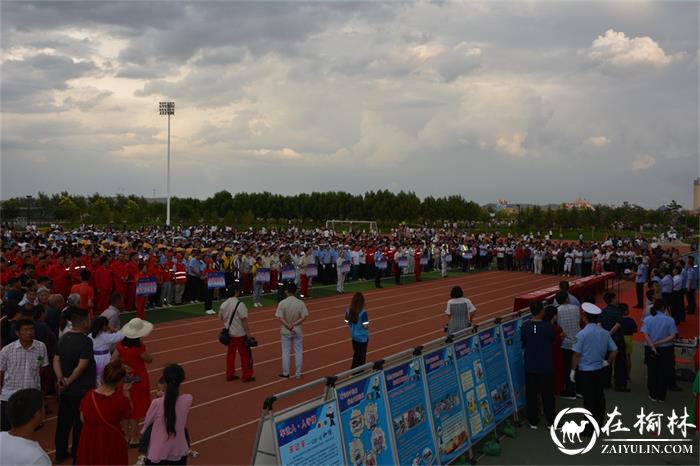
x=224, y=336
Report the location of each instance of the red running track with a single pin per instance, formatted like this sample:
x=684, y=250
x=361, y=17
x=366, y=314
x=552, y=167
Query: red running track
x=224, y=417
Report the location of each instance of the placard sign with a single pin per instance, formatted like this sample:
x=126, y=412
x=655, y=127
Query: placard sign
x=288, y=273
x=262, y=275
x=381, y=265
x=345, y=267
x=514, y=351
x=448, y=258
x=411, y=428
x=146, y=286
x=449, y=420
x=365, y=421
x=311, y=271
x=423, y=261
x=468, y=255
x=402, y=262
x=474, y=388
x=311, y=437
x=497, y=375
x=216, y=280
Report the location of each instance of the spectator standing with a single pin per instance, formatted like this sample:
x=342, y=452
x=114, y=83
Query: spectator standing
x=25, y=412
x=537, y=338
x=611, y=320
x=459, y=310
x=357, y=319
x=133, y=353
x=21, y=363
x=291, y=313
x=550, y=315
x=104, y=339
x=234, y=313
x=593, y=350
x=102, y=411
x=74, y=366
x=167, y=418
x=113, y=311
x=568, y=319
x=629, y=328
x=86, y=292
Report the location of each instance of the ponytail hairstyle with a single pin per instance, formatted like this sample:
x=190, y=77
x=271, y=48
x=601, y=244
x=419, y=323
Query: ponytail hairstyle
x=659, y=305
x=98, y=325
x=356, y=305
x=173, y=376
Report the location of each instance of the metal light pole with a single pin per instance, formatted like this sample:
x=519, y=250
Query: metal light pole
x=167, y=108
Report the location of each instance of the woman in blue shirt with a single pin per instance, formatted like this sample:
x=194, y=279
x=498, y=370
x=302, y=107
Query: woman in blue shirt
x=357, y=320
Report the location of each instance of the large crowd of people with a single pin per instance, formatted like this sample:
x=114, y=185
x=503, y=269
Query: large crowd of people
x=63, y=293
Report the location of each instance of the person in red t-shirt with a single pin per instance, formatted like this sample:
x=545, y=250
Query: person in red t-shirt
x=132, y=269
x=103, y=278
x=416, y=259
x=120, y=275
x=58, y=273
x=87, y=294
x=142, y=272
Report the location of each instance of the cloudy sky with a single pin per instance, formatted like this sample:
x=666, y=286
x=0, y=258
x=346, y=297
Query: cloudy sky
x=532, y=102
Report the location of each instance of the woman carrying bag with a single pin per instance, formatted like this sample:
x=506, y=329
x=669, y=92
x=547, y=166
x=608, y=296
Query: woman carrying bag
x=102, y=411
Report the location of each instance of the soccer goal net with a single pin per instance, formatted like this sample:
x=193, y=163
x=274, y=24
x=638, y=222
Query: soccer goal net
x=351, y=225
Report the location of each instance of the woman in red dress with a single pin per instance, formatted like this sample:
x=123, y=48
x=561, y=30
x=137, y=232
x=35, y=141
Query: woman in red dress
x=134, y=355
x=102, y=410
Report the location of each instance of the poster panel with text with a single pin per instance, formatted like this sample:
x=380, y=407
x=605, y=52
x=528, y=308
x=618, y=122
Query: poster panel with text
x=449, y=420
x=514, y=351
x=474, y=387
x=311, y=437
x=411, y=428
x=497, y=376
x=365, y=421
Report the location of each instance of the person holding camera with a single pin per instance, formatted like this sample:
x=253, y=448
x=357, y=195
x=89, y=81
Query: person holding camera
x=234, y=314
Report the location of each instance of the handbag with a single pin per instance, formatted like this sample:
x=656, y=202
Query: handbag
x=224, y=337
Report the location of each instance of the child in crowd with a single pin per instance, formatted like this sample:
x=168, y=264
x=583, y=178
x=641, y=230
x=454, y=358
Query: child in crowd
x=629, y=328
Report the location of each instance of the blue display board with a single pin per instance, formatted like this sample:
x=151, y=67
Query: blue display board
x=449, y=418
x=497, y=375
x=474, y=387
x=311, y=437
x=365, y=421
x=216, y=280
x=514, y=351
x=146, y=286
x=411, y=428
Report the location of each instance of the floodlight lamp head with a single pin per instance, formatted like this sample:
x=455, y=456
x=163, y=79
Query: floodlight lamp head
x=167, y=108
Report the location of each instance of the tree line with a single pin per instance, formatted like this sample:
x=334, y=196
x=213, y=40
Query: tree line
x=248, y=209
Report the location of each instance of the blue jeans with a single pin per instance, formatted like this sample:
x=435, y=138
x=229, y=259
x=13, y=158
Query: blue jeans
x=287, y=342
x=257, y=291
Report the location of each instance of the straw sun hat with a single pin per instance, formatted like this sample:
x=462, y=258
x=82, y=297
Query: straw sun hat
x=137, y=328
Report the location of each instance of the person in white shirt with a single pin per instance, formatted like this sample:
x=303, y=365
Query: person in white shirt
x=21, y=363
x=104, y=339
x=26, y=413
x=459, y=310
x=340, y=282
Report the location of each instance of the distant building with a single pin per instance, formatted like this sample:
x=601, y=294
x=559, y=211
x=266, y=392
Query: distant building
x=696, y=194
x=581, y=204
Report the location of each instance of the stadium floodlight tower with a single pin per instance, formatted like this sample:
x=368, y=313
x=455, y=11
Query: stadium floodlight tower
x=167, y=108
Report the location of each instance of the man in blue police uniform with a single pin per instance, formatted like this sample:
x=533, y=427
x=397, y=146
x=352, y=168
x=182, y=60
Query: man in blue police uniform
x=594, y=350
x=639, y=280
x=691, y=284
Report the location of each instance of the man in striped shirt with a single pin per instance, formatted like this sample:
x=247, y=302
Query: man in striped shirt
x=569, y=320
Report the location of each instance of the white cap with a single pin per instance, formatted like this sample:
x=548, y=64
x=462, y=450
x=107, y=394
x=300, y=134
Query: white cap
x=590, y=308
x=627, y=271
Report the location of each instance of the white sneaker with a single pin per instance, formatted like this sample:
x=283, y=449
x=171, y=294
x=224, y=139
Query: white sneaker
x=210, y=311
